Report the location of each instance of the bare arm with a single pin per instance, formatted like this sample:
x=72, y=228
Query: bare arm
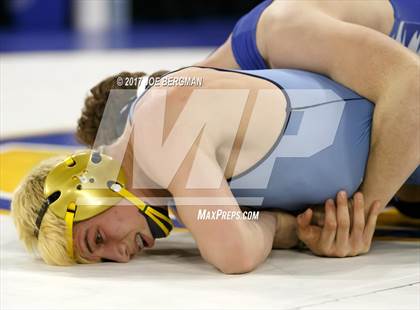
x=222, y=57
x=184, y=161
x=364, y=60
x=373, y=65
x=231, y=245
x=286, y=231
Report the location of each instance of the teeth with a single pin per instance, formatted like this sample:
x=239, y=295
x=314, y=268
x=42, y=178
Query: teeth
x=139, y=241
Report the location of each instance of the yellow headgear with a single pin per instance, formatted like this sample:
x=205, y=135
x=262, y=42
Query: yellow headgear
x=81, y=187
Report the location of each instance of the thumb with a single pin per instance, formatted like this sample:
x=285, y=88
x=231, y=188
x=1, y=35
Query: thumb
x=304, y=219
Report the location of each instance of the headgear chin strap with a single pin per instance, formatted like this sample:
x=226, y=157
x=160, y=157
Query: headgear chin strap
x=159, y=222
x=80, y=187
x=155, y=229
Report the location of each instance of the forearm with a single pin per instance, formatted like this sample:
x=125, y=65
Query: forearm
x=239, y=245
x=395, y=141
x=259, y=235
x=286, y=233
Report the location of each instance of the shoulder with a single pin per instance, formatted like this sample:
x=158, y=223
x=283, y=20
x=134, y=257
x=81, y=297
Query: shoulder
x=288, y=22
x=165, y=128
x=207, y=77
x=282, y=15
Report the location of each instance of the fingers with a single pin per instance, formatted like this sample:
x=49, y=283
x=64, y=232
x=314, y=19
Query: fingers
x=307, y=233
x=318, y=217
x=371, y=224
x=334, y=238
x=330, y=227
x=304, y=219
x=358, y=217
x=343, y=222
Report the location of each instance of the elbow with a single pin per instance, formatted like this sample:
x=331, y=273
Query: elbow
x=235, y=259
x=237, y=265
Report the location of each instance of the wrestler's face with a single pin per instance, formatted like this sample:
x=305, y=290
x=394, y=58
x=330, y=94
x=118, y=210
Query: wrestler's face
x=117, y=234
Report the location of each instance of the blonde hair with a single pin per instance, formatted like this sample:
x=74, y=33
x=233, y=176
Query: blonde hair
x=28, y=199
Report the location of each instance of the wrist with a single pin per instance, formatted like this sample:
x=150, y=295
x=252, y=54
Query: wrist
x=286, y=231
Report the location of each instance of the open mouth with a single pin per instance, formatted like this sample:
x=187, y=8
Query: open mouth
x=141, y=241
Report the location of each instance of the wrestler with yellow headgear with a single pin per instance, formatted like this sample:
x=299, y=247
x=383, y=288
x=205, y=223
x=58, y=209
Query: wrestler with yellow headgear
x=81, y=187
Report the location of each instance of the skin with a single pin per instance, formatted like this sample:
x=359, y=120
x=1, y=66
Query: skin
x=228, y=254
x=233, y=246
x=110, y=236
x=345, y=232
x=348, y=42
x=347, y=45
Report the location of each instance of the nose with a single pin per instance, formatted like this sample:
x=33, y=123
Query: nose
x=123, y=252
x=117, y=252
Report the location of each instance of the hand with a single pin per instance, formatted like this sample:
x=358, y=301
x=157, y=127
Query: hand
x=340, y=237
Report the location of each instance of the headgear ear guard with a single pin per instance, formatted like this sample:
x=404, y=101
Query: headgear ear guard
x=79, y=188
